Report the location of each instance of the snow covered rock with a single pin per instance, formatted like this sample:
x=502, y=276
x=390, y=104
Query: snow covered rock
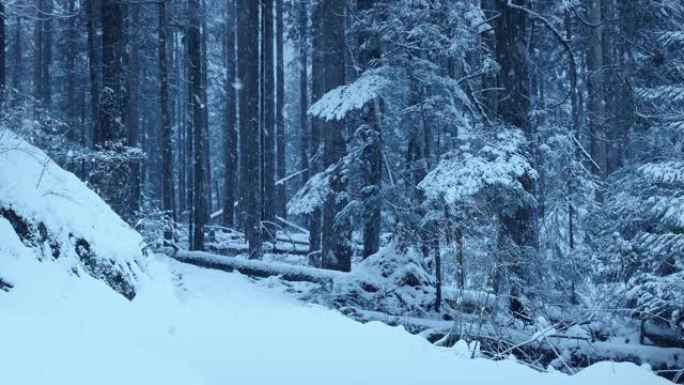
x=58, y=218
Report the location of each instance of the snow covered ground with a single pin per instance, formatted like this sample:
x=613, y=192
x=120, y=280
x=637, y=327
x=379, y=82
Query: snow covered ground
x=63, y=219
x=62, y=322
x=189, y=325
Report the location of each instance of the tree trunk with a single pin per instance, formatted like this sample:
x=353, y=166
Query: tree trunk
x=518, y=231
x=165, y=117
x=230, y=133
x=113, y=89
x=43, y=40
x=337, y=251
x=302, y=25
x=47, y=53
x=268, y=109
x=595, y=89
x=181, y=105
x=93, y=66
x=133, y=76
x=460, y=260
x=17, y=89
x=194, y=41
x=615, y=100
x=3, y=60
x=250, y=181
x=112, y=181
x=438, y=269
x=281, y=169
x=371, y=157
x=488, y=47
x=73, y=132
x=206, y=150
x=317, y=91
x=189, y=98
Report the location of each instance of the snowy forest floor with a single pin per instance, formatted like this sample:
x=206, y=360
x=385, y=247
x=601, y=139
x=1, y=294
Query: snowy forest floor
x=189, y=325
x=80, y=303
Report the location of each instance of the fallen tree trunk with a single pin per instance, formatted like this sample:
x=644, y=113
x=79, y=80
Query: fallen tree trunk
x=254, y=268
x=547, y=349
x=233, y=250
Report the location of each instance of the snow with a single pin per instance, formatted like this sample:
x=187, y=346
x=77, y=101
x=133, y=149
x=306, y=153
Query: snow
x=498, y=164
x=189, y=325
x=339, y=102
x=255, y=267
x=43, y=194
x=663, y=172
x=311, y=196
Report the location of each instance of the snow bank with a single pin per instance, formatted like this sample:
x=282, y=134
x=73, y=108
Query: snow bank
x=189, y=325
x=60, y=219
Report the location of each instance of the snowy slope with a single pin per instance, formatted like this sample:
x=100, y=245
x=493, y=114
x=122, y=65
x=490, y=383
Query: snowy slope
x=189, y=325
x=60, y=218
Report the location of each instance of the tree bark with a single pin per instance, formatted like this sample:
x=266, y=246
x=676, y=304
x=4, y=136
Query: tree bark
x=230, y=133
x=302, y=25
x=438, y=270
x=615, y=99
x=337, y=251
x=43, y=40
x=111, y=108
x=371, y=158
x=93, y=65
x=3, y=60
x=206, y=150
x=488, y=47
x=518, y=231
x=165, y=118
x=281, y=169
x=317, y=91
x=181, y=106
x=595, y=89
x=194, y=41
x=133, y=74
x=250, y=178
x=268, y=109
x=17, y=93
x=74, y=130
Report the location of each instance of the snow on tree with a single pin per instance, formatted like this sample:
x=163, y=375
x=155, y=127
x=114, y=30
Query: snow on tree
x=491, y=168
x=311, y=196
x=341, y=101
x=641, y=245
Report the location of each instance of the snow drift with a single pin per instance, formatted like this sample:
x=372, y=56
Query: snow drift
x=58, y=218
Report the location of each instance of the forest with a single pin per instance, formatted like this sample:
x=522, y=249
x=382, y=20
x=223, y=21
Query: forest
x=503, y=177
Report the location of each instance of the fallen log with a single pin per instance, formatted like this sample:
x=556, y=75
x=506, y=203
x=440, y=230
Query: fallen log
x=576, y=352
x=233, y=250
x=254, y=268
x=661, y=336
x=234, y=236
